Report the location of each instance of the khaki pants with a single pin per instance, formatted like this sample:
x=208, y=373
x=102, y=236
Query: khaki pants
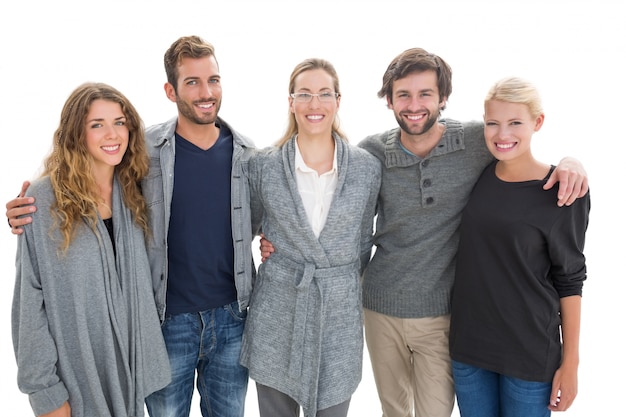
x=411, y=364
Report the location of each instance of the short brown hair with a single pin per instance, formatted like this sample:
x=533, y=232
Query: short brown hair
x=417, y=60
x=185, y=47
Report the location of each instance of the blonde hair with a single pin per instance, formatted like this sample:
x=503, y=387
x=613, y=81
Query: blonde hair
x=69, y=165
x=516, y=90
x=308, y=65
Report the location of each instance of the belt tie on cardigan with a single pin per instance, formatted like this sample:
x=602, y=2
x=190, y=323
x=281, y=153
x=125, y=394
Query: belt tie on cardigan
x=303, y=284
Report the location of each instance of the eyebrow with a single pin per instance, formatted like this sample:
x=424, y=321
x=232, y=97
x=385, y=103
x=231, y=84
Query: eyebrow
x=423, y=90
x=196, y=77
x=100, y=119
x=304, y=89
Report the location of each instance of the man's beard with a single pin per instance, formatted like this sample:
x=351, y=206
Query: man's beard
x=188, y=111
x=430, y=122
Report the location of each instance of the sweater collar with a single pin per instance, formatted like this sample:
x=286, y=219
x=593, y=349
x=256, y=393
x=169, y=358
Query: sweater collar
x=397, y=156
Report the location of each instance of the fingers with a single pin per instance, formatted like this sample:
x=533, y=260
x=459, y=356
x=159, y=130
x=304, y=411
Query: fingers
x=565, y=192
x=561, y=404
x=576, y=187
x=564, y=391
x=17, y=207
x=17, y=203
x=25, y=186
x=266, y=248
x=572, y=185
x=17, y=223
x=551, y=181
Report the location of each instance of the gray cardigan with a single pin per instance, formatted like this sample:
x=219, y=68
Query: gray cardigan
x=85, y=326
x=419, y=212
x=304, y=333
x=157, y=188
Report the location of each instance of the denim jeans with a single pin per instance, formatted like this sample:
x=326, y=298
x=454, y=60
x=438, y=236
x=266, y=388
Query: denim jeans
x=207, y=343
x=482, y=393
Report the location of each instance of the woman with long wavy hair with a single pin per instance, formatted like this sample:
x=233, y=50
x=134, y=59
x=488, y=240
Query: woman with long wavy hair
x=86, y=334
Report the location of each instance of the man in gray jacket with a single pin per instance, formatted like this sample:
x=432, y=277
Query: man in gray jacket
x=200, y=244
x=200, y=251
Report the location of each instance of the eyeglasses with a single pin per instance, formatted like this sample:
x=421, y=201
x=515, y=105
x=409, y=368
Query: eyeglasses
x=325, y=97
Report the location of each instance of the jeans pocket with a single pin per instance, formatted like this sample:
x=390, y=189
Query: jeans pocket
x=233, y=309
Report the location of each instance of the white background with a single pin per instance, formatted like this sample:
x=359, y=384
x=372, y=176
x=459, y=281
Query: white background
x=572, y=50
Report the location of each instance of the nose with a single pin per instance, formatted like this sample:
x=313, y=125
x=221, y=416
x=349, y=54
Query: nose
x=207, y=91
x=415, y=103
x=111, y=131
x=315, y=101
x=503, y=132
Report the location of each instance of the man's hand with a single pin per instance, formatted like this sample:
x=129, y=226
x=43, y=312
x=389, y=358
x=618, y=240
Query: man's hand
x=572, y=179
x=19, y=206
x=266, y=248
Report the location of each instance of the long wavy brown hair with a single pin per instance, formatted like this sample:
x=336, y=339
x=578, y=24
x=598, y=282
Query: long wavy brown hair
x=69, y=165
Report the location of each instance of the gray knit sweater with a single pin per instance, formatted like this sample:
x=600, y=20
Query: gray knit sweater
x=304, y=333
x=419, y=212
x=85, y=326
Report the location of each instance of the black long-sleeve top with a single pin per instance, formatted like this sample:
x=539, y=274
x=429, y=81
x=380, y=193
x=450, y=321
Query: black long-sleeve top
x=519, y=253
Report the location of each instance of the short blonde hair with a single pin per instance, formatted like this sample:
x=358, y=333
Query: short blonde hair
x=516, y=90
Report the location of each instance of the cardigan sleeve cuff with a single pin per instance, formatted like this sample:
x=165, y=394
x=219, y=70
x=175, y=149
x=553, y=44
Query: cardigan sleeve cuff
x=48, y=399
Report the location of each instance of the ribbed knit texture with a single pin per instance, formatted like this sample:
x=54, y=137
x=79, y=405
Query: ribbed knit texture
x=419, y=212
x=304, y=334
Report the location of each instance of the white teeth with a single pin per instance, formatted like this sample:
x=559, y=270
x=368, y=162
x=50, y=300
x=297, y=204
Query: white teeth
x=205, y=106
x=111, y=148
x=414, y=117
x=315, y=117
x=505, y=145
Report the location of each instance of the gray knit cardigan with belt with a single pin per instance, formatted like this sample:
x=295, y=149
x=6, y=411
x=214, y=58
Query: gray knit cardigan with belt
x=304, y=333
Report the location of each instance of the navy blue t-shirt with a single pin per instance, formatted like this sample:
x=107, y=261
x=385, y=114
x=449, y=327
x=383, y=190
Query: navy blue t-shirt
x=200, y=240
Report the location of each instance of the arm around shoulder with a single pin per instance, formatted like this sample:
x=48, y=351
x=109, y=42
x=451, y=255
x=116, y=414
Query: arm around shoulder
x=18, y=210
x=572, y=179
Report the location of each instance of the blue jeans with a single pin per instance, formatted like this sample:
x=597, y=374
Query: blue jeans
x=207, y=343
x=482, y=393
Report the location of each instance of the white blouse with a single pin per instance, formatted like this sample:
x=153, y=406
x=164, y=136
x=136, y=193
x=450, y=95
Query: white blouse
x=316, y=190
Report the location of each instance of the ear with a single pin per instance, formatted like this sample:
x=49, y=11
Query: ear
x=442, y=102
x=389, y=103
x=539, y=122
x=291, y=110
x=170, y=92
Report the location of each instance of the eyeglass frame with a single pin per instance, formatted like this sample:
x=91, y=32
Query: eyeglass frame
x=323, y=97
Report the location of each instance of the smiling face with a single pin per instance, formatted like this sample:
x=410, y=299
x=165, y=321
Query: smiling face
x=106, y=134
x=198, y=93
x=509, y=128
x=316, y=117
x=415, y=102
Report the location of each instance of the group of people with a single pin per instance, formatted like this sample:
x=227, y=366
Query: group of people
x=466, y=220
